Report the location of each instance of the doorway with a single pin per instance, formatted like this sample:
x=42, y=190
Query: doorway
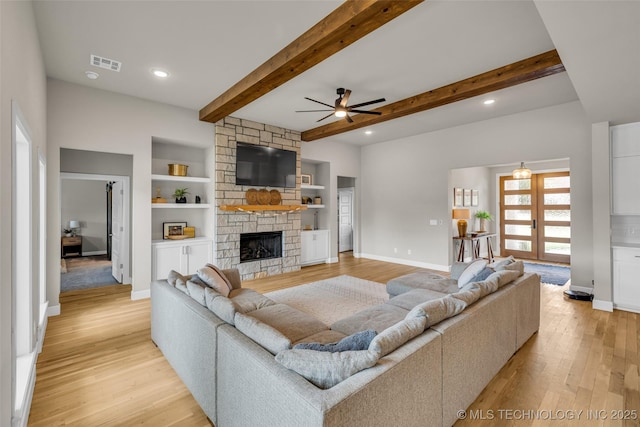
x=346, y=195
x=535, y=217
x=102, y=257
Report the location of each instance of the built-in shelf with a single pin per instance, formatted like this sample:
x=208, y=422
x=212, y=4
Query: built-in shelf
x=311, y=187
x=258, y=208
x=180, y=205
x=314, y=206
x=157, y=177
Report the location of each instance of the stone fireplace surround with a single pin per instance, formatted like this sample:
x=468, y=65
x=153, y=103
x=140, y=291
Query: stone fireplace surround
x=229, y=225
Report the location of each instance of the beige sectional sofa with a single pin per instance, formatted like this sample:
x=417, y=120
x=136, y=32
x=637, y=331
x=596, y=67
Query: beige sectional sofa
x=236, y=371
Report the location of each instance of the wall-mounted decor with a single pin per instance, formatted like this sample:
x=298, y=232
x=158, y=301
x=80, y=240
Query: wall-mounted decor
x=466, y=198
x=170, y=230
x=475, y=196
x=306, y=179
x=457, y=197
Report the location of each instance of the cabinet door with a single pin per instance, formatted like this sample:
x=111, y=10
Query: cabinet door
x=198, y=255
x=322, y=245
x=626, y=174
x=307, y=249
x=165, y=259
x=626, y=287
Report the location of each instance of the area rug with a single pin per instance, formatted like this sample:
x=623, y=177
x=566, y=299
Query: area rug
x=332, y=299
x=552, y=274
x=86, y=272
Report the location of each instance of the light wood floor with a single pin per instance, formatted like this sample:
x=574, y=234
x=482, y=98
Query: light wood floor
x=99, y=367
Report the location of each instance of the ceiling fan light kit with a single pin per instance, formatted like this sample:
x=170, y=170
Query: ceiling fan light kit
x=340, y=108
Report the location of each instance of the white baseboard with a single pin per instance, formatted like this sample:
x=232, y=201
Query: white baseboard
x=333, y=260
x=140, y=294
x=53, y=310
x=94, y=253
x=602, y=305
x=406, y=262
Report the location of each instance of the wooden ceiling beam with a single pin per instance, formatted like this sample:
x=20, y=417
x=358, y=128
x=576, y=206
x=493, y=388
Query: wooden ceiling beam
x=545, y=64
x=348, y=23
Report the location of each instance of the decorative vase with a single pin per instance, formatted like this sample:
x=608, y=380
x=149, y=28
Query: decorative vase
x=462, y=227
x=483, y=225
x=182, y=199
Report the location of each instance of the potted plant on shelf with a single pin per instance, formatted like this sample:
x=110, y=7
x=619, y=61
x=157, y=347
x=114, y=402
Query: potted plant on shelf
x=67, y=232
x=483, y=216
x=181, y=195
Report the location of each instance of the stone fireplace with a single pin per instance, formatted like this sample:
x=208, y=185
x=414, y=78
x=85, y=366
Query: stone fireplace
x=230, y=226
x=260, y=246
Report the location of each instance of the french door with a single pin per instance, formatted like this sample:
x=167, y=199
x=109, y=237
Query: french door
x=535, y=217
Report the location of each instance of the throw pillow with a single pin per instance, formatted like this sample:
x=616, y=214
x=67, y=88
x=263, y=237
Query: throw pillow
x=457, y=269
x=181, y=285
x=214, y=278
x=398, y=334
x=196, y=291
x=486, y=272
x=224, y=308
x=325, y=369
x=470, y=272
x=514, y=266
x=173, y=276
x=358, y=341
x=437, y=310
x=508, y=260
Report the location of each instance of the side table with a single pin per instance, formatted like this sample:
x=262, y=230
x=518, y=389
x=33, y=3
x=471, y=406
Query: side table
x=71, y=246
x=475, y=246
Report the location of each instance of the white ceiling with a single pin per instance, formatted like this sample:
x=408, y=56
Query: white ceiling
x=207, y=46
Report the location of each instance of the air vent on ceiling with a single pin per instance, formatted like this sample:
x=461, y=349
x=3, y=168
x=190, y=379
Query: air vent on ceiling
x=106, y=63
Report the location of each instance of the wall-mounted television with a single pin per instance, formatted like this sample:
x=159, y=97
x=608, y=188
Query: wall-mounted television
x=265, y=166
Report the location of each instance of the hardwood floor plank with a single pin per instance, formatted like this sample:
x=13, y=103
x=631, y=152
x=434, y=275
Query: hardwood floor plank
x=99, y=366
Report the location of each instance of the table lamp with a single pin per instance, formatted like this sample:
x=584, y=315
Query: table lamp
x=73, y=224
x=461, y=215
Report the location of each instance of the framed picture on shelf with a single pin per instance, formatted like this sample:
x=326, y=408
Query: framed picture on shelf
x=457, y=196
x=475, y=196
x=170, y=229
x=466, y=198
x=306, y=179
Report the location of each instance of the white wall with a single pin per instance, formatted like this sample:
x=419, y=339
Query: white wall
x=345, y=161
x=22, y=79
x=86, y=201
x=405, y=182
x=84, y=118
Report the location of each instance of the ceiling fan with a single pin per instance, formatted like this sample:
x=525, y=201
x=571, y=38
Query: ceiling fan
x=340, y=109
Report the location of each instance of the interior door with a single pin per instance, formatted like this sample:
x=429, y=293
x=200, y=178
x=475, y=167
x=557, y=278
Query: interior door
x=345, y=219
x=535, y=217
x=117, y=228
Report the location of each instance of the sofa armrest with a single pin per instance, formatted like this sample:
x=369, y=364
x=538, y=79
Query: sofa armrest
x=233, y=274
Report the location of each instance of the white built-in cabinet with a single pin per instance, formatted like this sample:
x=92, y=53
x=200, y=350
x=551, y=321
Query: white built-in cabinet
x=184, y=256
x=626, y=286
x=625, y=169
x=314, y=247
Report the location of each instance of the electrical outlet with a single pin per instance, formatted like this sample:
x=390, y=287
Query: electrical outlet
x=433, y=222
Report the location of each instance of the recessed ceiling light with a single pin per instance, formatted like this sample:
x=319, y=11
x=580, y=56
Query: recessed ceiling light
x=91, y=75
x=489, y=101
x=160, y=73
x=368, y=132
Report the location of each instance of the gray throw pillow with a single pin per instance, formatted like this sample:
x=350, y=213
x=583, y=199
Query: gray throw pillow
x=358, y=341
x=173, y=276
x=196, y=291
x=325, y=369
x=486, y=272
x=181, y=285
x=215, y=279
x=437, y=310
x=514, y=266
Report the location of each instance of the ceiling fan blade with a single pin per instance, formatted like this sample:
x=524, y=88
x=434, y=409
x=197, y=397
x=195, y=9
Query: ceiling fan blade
x=325, y=117
x=345, y=98
x=377, y=113
x=368, y=103
x=349, y=119
x=310, y=111
x=330, y=106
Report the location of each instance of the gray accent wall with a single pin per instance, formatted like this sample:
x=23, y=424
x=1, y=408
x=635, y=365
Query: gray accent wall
x=86, y=201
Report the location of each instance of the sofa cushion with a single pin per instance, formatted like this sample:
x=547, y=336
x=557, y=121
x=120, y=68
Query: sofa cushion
x=471, y=294
x=514, y=266
x=214, y=278
x=421, y=280
x=322, y=337
x=248, y=300
x=325, y=369
x=291, y=322
x=181, y=285
x=482, y=275
x=223, y=307
x=268, y=337
x=173, y=276
x=437, y=310
x=410, y=299
x=391, y=338
x=358, y=341
x=471, y=271
x=508, y=260
x=504, y=276
x=196, y=291
x=377, y=318
x=209, y=296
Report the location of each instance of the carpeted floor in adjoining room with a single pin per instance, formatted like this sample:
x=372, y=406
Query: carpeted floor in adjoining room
x=551, y=274
x=85, y=272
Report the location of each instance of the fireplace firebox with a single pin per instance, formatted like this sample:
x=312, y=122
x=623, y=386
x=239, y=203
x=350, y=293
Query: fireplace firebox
x=260, y=246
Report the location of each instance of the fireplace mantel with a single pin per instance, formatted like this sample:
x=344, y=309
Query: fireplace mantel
x=259, y=208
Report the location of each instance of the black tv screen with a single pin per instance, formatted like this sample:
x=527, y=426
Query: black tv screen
x=265, y=166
